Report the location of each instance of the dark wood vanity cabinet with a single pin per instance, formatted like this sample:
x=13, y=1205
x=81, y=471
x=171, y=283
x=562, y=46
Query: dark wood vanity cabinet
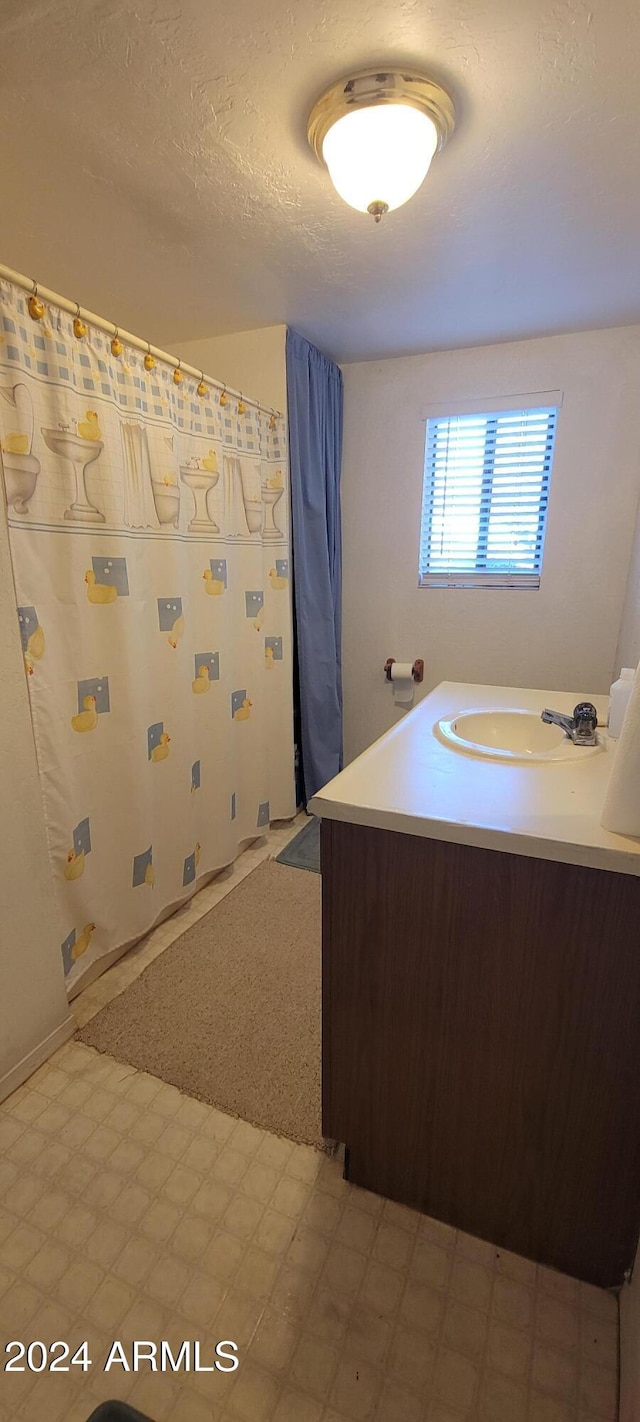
x=481, y=1041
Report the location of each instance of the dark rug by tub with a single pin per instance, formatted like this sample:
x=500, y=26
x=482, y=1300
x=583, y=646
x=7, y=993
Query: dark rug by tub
x=303, y=852
x=230, y=1013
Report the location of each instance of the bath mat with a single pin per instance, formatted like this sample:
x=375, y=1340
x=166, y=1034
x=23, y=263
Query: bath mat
x=230, y=1013
x=303, y=852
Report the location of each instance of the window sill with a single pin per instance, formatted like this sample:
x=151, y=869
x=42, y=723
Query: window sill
x=479, y=580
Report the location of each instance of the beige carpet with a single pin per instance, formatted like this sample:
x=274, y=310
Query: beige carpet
x=230, y=1012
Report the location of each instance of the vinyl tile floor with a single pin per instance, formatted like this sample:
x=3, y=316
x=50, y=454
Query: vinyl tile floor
x=130, y=1212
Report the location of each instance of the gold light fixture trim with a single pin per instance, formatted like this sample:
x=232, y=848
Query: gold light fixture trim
x=374, y=89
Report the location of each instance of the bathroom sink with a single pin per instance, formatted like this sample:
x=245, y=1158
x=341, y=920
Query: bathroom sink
x=509, y=734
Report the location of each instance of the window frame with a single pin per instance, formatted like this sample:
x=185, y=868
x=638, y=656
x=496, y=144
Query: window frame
x=491, y=408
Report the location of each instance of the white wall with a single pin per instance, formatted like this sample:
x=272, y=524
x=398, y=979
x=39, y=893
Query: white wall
x=250, y=361
x=628, y=650
x=560, y=637
x=34, y=1013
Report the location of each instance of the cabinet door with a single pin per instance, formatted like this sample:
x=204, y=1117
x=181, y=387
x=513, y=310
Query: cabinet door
x=481, y=1051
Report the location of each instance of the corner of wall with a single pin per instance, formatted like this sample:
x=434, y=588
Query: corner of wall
x=250, y=361
x=628, y=648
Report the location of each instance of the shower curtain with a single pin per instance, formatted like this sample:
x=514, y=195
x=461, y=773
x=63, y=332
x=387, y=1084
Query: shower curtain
x=149, y=536
x=315, y=403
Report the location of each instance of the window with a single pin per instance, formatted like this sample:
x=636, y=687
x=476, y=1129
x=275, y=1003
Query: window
x=485, y=495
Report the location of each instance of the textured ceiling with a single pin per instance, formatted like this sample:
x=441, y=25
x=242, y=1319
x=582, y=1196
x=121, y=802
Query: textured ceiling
x=154, y=166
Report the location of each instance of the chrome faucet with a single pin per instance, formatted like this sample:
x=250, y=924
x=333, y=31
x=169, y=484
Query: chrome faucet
x=581, y=728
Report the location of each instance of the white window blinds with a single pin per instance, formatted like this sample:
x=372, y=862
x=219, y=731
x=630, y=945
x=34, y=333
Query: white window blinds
x=485, y=495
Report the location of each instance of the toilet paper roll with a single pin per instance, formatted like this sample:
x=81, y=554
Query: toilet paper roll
x=402, y=671
x=403, y=683
x=621, y=811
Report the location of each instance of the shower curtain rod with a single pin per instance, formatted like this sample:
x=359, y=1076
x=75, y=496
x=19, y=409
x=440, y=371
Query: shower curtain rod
x=54, y=299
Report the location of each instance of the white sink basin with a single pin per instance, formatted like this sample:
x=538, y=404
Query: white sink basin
x=510, y=734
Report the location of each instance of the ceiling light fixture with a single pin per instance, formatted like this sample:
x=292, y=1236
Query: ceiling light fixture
x=377, y=133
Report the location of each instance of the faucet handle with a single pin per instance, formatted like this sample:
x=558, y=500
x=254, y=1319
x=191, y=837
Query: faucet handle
x=585, y=711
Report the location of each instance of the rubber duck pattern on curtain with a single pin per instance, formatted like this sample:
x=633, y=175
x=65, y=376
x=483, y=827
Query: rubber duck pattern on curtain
x=149, y=535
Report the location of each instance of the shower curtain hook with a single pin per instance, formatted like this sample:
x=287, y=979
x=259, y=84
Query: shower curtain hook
x=177, y=374
x=241, y=405
x=35, y=306
x=79, y=326
x=223, y=397
x=116, y=344
x=148, y=362
x=201, y=389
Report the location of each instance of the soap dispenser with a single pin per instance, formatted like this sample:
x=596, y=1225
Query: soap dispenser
x=620, y=693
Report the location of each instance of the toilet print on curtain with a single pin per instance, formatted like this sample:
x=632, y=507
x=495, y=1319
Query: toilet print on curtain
x=149, y=535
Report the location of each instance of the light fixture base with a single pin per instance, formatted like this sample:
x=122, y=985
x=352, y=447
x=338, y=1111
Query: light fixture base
x=377, y=210
x=378, y=86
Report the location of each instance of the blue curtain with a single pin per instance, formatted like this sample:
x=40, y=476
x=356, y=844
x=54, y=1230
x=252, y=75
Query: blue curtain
x=314, y=396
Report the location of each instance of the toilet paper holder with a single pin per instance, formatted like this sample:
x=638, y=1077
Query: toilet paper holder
x=417, y=668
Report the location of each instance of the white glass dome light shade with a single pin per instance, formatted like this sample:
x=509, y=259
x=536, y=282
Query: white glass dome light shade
x=376, y=132
x=379, y=156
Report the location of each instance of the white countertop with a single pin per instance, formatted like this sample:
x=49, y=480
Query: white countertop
x=409, y=781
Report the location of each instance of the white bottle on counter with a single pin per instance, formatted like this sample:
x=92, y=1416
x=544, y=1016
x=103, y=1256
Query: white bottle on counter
x=620, y=693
